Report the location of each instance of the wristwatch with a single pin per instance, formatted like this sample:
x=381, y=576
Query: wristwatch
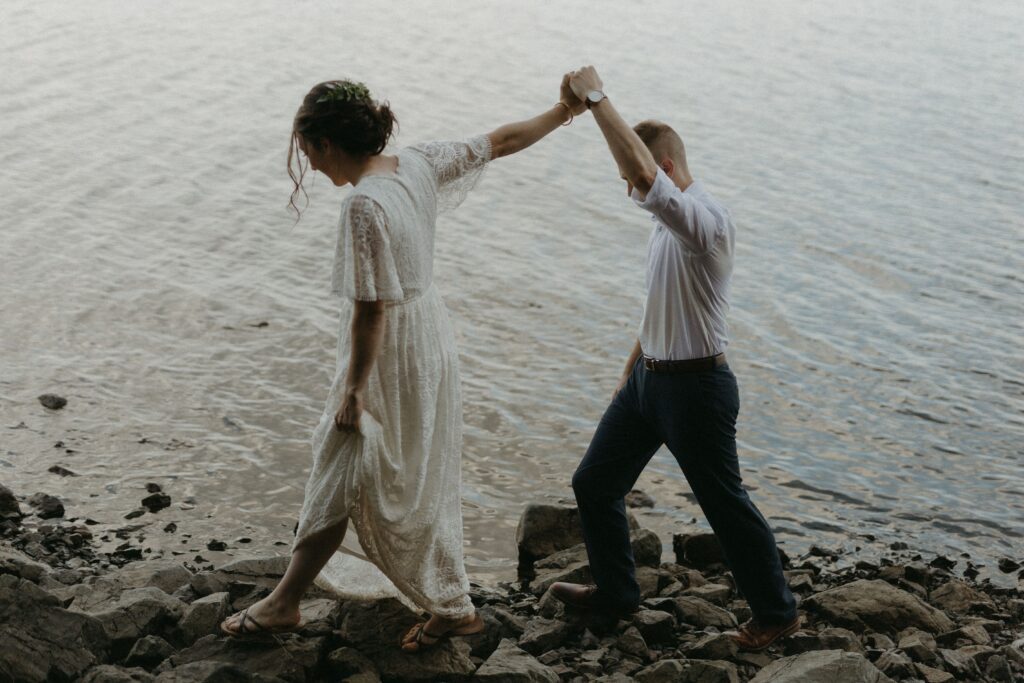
x=593, y=97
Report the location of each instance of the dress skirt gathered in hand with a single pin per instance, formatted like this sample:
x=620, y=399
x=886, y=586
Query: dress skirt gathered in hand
x=399, y=479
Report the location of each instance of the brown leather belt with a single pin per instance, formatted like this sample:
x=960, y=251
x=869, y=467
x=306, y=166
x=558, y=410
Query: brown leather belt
x=689, y=365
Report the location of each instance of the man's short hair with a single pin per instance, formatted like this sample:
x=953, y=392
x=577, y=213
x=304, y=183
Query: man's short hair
x=662, y=140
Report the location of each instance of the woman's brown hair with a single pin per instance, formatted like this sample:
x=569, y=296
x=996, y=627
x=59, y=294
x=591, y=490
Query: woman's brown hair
x=343, y=113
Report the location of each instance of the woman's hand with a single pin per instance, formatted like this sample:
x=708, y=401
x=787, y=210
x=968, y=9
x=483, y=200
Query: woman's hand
x=351, y=411
x=567, y=96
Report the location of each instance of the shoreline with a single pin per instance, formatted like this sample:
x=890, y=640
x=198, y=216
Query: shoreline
x=906, y=617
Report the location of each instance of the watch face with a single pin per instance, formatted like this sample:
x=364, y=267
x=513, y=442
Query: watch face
x=595, y=96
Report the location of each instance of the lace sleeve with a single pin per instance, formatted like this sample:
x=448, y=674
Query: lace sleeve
x=458, y=167
x=364, y=266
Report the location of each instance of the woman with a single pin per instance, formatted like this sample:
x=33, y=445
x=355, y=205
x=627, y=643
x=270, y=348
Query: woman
x=388, y=447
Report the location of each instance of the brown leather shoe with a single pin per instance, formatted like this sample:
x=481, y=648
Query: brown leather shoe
x=754, y=637
x=574, y=594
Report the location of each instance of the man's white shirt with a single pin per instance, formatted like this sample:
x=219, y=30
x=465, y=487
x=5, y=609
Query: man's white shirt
x=689, y=270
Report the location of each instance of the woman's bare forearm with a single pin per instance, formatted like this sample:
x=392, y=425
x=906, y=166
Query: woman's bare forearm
x=515, y=137
x=367, y=337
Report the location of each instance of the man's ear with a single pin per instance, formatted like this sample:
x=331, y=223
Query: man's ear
x=668, y=166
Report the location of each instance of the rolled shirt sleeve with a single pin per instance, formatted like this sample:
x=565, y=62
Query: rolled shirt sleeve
x=686, y=218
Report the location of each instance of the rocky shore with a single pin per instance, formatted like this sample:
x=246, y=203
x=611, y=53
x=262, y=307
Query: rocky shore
x=70, y=613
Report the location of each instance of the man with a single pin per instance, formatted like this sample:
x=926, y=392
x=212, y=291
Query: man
x=676, y=388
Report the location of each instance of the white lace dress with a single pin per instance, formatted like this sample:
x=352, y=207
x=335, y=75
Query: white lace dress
x=399, y=480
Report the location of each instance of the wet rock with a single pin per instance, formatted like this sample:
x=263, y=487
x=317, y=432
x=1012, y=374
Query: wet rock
x=664, y=671
x=827, y=666
x=639, y=499
x=253, y=656
x=148, y=652
x=712, y=646
x=701, y=614
x=62, y=471
x=632, y=643
x=957, y=596
x=655, y=626
x=700, y=671
x=542, y=635
x=547, y=529
x=349, y=664
x=374, y=628
x=46, y=506
x=203, y=616
x=698, y=550
x=156, y=502
x=216, y=545
x=42, y=640
x=509, y=664
x=933, y=675
x=108, y=673
x=1006, y=565
x=52, y=401
x=876, y=605
x=9, y=508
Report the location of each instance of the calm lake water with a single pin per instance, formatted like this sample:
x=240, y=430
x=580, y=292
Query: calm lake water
x=871, y=154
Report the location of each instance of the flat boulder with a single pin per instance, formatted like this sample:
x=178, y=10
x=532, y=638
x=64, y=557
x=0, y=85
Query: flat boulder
x=877, y=606
x=19, y=564
x=509, y=664
x=251, y=656
x=42, y=641
x=958, y=597
x=138, y=612
x=700, y=613
x=374, y=628
x=823, y=666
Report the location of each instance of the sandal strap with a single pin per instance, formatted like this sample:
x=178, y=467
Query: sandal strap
x=244, y=629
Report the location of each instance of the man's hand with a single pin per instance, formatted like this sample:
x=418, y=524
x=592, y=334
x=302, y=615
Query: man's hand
x=566, y=95
x=585, y=80
x=349, y=414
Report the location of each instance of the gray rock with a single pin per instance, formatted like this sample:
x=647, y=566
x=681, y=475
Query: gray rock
x=876, y=605
x=148, y=652
x=375, y=628
x=712, y=646
x=957, y=596
x=108, y=673
x=46, y=506
x=43, y=641
x=137, y=612
x=827, y=639
x=979, y=654
x=827, y=666
x=896, y=664
x=933, y=675
x=509, y=664
x=52, y=401
x=547, y=529
x=19, y=564
x=717, y=593
x=167, y=575
x=203, y=617
x=9, y=507
x=253, y=655
x=205, y=672
x=919, y=646
x=346, y=662
x=700, y=613
x=649, y=579
x=646, y=548
x=960, y=664
x=664, y=671
x=699, y=550
x=710, y=672
x=655, y=626
x=639, y=499
x=997, y=668
x=632, y=642
x=542, y=635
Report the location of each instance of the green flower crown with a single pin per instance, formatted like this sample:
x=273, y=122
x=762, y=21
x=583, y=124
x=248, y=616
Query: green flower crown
x=345, y=91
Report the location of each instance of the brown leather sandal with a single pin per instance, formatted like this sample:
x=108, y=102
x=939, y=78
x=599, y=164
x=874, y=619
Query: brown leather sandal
x=423, y=639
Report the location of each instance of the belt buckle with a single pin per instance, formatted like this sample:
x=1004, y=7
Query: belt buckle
x=649, y=363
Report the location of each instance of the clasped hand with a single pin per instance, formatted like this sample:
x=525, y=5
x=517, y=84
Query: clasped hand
x=576, y=85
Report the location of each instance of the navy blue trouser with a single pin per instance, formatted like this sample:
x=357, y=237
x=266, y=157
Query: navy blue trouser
x=694, y=414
